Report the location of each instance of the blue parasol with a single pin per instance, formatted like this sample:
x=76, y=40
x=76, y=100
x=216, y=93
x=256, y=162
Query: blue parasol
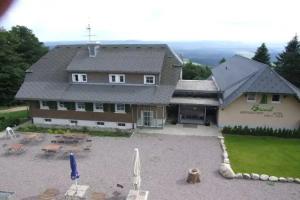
x=74, y=172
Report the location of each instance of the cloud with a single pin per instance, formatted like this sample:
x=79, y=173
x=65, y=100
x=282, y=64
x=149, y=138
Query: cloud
x=235, y=20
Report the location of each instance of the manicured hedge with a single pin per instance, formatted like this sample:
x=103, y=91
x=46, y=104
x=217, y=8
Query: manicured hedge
x=261, y=131
x=53, y=130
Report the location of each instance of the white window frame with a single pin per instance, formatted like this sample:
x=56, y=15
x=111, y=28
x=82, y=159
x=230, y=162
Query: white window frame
x=276, y=102
x=80, y=78
x=42, y=106
x=95, y=107
x=47, y=120
x=79, y=108
x=59, y=107
x=251, y=100
x=117, y=78
x=73, y=124
x=118, y=110
x=121, y=124
x=149, y=76
x=102, y=123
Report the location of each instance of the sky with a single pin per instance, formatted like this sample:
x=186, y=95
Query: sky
x=158, y=20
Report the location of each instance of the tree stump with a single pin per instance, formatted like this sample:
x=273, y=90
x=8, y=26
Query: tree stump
x=193, y=176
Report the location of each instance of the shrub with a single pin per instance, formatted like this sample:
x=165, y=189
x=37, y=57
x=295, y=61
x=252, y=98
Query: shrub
x=116, y=133
x=261, y=131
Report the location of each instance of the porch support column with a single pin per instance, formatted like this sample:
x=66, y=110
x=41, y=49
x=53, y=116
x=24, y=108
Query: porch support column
x=204, y=114
x=178, y=115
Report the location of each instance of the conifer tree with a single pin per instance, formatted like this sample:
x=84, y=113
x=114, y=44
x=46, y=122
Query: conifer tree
x=262, y=54
x=288, y=62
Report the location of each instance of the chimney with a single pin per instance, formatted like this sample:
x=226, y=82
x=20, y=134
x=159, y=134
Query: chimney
x=93, y=49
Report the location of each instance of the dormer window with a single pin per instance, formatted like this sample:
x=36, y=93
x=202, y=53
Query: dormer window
x=149, y=79
x=79, y=78
x=117, y=78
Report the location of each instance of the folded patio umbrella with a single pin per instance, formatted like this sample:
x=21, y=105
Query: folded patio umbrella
x=137, y=170
x=74, y=172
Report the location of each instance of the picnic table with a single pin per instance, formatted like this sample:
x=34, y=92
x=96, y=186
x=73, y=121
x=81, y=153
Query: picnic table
x=51, y=148
x=70, y=138
x=79, y=136
x=32, y=137
x=15, y=148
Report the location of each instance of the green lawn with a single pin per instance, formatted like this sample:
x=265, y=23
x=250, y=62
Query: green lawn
x=17, y=114
x=268, y=155
x=12, y=118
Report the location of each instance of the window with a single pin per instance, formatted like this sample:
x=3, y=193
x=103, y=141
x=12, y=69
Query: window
x=149, y=79
x=98, y=107
x=275, y=98
x=121, y=124
x=44, y=105
x=61, y=106
x=120, y=108
x=83, y=76
x=80, y=106
x=100, y=123
x=73, y=122
x=116, y=78
x=48, y=120
x=251, y=98
x=79, y=78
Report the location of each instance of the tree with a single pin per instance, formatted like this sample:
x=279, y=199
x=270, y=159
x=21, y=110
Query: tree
x=222, y=60
x=27, y=45
x=19, y=49
x=195, y=72
x=288, y=62
x=262, y=54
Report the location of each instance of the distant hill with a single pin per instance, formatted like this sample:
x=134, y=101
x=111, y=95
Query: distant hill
x=204, y=52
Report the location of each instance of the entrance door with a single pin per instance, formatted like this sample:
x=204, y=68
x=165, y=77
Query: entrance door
x=147, y=118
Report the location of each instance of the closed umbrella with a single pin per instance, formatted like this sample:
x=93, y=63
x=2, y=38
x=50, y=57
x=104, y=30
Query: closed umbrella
x=74, y=172
x=136, y=170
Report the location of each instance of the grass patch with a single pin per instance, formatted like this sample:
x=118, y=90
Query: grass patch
x=264, y=155
x=12, y=118
x=101, y=133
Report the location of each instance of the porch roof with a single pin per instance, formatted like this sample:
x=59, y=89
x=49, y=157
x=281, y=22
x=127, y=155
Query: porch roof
x=197, y=85
x=195, y=101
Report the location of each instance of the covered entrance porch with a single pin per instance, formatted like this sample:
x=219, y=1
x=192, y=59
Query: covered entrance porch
x=199, y=110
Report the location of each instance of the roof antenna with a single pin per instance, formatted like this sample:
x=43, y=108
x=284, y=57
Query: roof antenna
x=89, y=29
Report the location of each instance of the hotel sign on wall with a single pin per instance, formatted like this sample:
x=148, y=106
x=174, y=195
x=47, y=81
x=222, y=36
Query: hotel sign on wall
x=263, y=110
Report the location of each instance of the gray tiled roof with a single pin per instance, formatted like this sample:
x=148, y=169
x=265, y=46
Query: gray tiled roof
x=195, y=101
x=48, y=79
x=197, y=85
x=120, y=58
x=234, y=70
x=242, y=75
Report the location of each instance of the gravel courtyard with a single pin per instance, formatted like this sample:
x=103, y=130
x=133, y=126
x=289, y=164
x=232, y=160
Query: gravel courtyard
x=165, y=160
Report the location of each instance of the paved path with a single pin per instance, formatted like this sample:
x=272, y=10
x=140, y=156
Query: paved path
x=165, y=160
x=183, y=130
x=14, y=109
